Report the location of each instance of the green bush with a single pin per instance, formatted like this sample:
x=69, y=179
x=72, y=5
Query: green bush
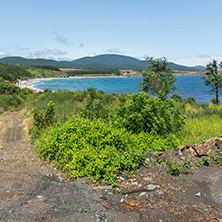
x=94, y=110
x=214, y=101
x=42, y=119
x=176, y=97
x=144, y=113
x=82, y=147
x=174, y=167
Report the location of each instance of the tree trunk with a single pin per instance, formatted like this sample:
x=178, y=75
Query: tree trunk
x=217, y=99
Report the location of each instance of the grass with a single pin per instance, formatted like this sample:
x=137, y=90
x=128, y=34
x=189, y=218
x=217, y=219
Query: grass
x=199, y=129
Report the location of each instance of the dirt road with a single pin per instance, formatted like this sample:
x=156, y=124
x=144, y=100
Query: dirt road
x=31, y=190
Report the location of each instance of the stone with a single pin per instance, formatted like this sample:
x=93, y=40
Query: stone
x=147, y=178
x=180, y=153
x=198, y=194
x=202, y=151
x=158, y=193
x=121, y=178
x=151, y=187
x=203, y=208
x=80, y=210
x=142, y=194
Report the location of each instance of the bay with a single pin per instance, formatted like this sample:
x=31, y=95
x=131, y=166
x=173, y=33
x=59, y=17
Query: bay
x=189, y=86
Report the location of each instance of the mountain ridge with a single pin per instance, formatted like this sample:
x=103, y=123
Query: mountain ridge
x=99, y=61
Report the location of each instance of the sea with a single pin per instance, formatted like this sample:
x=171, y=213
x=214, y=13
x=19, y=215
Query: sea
x=188, y=86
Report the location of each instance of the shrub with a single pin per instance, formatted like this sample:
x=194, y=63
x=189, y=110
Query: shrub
x=82, y=147
x=189, y=100
x=214, y=101
x=176, y=97
x=174, y=167
x=42, y=119
x=144, y=113
x=94, y=110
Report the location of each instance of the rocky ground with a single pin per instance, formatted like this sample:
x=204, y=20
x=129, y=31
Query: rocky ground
x=32, y=190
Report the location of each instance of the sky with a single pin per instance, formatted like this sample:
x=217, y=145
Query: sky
x=187, y=32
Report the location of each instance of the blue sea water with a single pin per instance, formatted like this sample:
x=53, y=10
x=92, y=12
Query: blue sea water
x=188, y=85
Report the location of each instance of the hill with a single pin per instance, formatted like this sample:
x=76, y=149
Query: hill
x=96, y=62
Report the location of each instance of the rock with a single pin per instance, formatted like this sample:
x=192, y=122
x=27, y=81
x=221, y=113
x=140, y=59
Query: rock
x=198, y=194
x=80, y=210
x=151, y=187
x=158, y=193
x=100, y=216
x=203, y=208
x=147, y=178
x=103, y=188
x=121, y=178
x=202, y=151
x=142, y=194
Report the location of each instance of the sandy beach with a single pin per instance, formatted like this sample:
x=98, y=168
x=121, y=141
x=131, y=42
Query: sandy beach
x=26, y=83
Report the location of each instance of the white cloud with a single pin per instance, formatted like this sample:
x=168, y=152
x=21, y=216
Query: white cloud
x=204, y=56
x=202, y=59
x=49, y=52
x=61, y=38
x=23, y=48
x=114, y=50
x=3, y=54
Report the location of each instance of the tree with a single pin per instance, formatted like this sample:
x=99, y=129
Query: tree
x=213, y=78
x=158, y=78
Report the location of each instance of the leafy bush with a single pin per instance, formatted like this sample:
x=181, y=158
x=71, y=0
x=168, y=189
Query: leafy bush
x=189, y=100
x=214, y=101
x=94, y=110
x=82, y=147
x=42, y=119
x=205, y=160
x=144, y=113
x=174, y=167
x=176, y=97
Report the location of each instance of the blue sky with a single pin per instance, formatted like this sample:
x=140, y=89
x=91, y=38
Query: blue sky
x=185, y=32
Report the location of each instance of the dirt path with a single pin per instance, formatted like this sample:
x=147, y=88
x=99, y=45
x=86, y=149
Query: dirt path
x=31, y=191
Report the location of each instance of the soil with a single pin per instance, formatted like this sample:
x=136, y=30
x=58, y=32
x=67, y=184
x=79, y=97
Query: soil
x=32, y=190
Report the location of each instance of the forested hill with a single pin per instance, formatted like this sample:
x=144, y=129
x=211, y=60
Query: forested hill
x=96, y=62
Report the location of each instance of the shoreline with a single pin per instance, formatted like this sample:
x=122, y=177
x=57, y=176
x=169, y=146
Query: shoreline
x=26, y=83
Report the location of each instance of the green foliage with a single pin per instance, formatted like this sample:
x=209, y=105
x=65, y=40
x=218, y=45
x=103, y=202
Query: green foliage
x=189, y=100
x=158, y=78
x=12, y=73
x=144, y=113
x=214, y=101
x=174, y=167
x=42, y=119
x=176, y=97
x=94, y=109
x=218, y=160
x=93, y=71
x=205, y=161
x=199, y=129
x=82, y=147
x=213, y=78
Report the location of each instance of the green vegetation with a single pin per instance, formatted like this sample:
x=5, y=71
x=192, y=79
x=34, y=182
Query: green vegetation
x=93, y=71
x=11, y=97
x=90, y=133
x=12, y=73
x=157, y=115
x=158, y=79
x=96, y=62
x=213, y=78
